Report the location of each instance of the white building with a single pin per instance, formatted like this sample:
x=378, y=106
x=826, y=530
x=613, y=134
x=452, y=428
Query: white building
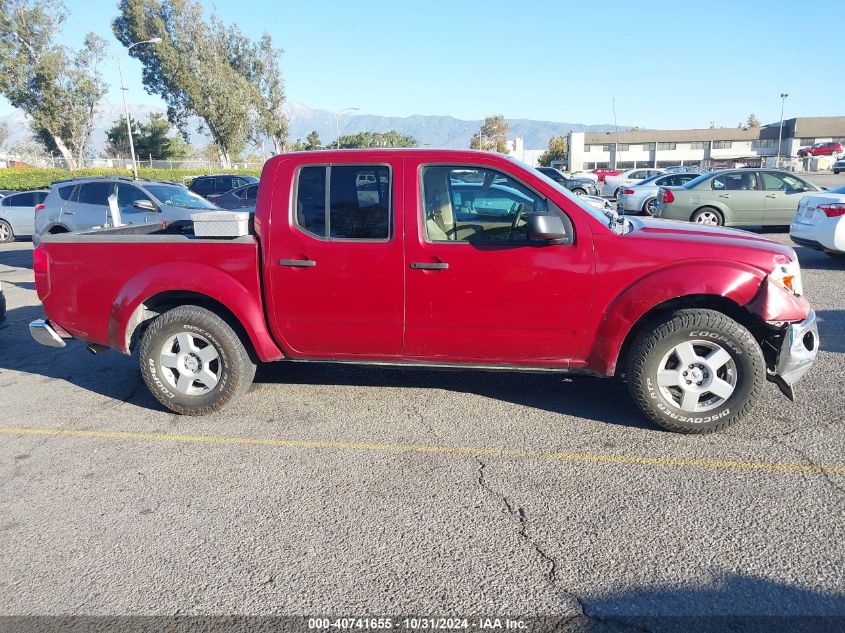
x=516, y=149
x=710, y=148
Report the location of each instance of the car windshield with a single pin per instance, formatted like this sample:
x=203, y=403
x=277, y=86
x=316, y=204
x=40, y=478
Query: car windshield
x=178, y=196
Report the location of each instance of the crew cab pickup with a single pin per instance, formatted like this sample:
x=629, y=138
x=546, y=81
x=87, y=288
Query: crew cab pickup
x=437, y=258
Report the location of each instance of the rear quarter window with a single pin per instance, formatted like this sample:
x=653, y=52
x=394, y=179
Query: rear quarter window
x=66, y=191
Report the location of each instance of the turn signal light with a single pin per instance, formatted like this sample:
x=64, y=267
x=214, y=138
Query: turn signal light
x=832, y=210
x=668, y=196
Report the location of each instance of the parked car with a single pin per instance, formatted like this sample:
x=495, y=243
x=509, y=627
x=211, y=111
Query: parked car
x=613, y=185
x=578, y=186
x=839, y=165
x=239, y=199
x=582, y=174
x=17, y=214
x=735, y=197
x=216, y=184
x=82, y=203
x=603, y=172
x=603, y=204
x=820, y=222
x=821, y=149
x=685, y=169
x=404, y=279
x=643, y=196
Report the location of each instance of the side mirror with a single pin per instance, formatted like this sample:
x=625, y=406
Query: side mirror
x=145, y=205
x=546, y=227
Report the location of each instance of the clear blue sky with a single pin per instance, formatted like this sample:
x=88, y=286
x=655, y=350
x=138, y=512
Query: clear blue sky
x=668, y=63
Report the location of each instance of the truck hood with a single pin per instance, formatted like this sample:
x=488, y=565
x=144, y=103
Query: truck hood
x=703, y=235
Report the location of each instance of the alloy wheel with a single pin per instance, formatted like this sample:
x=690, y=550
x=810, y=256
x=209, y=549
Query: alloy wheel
x=190, y=364
x=697, y=376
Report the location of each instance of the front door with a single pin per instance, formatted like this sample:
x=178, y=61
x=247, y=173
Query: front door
x=127, y=196
x=477, y=289
x=783, y=193
x=335, y=259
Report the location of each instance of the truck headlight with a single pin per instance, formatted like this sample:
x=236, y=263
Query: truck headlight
x=788, y=276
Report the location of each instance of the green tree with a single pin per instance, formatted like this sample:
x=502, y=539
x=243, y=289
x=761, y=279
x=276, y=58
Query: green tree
x=312, y=141
x=492, y=136
x=155, y=138
x=201, y=68
x=557, y=150
x=298, y=146
x=58, y=88
x=752, y=121
x=377, y=139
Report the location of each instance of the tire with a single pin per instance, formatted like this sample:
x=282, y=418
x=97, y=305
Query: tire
x=708, y=216
x=656, y=361
x=182, y=381
x=7, y=235
x=617, y=193
x=579, y=192
x=836, y=172
x=648, y=207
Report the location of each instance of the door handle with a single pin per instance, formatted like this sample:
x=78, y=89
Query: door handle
x=70, y=212
x=298, y=263
x=724, y=195
x=771, y=195
x=429, y=265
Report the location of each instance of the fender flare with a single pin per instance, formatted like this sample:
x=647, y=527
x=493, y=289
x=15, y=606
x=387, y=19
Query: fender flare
x=735, y=281
x=244, y=303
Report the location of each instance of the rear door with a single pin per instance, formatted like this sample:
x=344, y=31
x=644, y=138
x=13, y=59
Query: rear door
x=89, y=206
x=783, y=193
x=742, y=193
x=335, y=258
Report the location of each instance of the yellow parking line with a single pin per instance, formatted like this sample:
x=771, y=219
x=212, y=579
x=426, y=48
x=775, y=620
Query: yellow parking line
x=605, y=458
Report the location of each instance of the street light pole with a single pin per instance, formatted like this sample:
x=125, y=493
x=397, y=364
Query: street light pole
x=783, y=96
x=337, y=125
x=123, y=90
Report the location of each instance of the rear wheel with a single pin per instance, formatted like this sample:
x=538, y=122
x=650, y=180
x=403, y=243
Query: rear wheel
x=648, y=207
x=579, y=192
x=707, y=215
x=6, y=233
x=696, y=371
x=618, y=193
x=193, y=362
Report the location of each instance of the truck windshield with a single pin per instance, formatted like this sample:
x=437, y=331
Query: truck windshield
x=176, y=196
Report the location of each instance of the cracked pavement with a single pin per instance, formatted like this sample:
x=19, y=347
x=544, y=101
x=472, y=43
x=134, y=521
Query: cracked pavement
x=116, y=525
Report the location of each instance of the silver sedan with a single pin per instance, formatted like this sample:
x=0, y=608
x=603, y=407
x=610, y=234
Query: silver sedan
x=642, y=196
x=17, y=214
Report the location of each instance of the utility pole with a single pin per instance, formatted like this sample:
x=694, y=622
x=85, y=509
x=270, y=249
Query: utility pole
x=616, y=146
x=783, y=96
x=123, y=90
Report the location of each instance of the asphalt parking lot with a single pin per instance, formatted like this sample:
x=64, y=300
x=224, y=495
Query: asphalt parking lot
x=366, y=491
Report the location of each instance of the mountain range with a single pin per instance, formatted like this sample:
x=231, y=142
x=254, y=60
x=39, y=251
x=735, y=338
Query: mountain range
x=433, y=130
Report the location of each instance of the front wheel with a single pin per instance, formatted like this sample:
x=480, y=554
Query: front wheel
x=579, y=192
x=696, y=371
x=193, y=362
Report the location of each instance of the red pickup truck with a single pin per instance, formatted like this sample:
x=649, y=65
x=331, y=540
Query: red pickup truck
x=437, y=258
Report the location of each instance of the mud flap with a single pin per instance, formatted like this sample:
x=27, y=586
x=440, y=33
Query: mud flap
x=785, y=388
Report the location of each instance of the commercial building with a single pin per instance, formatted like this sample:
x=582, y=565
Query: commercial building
x=709, y=148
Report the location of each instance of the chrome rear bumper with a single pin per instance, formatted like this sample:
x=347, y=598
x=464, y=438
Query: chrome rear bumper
x=44, y=333
x=797, y=354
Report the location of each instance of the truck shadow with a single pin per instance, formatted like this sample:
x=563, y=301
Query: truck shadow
x=729, y=602
x=816, y=260
x=116, y=376
x=598, y=399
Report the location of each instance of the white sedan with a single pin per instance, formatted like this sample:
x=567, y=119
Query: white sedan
x=613, y=185
x=820, y=222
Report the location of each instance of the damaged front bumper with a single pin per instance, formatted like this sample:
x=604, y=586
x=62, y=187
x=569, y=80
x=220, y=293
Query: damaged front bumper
x=796, y=354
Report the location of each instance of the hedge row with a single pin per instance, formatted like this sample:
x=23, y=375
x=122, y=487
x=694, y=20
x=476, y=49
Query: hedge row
x=24, y=178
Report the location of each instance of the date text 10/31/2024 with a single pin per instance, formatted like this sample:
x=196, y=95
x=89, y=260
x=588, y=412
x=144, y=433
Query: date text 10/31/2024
x=417, y=624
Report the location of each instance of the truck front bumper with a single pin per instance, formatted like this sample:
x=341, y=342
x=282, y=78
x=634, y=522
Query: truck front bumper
x=43, y=332
x=797, y=354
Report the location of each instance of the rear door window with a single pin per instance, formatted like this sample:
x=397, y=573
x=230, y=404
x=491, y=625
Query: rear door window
x=96, y=193
x=344, y=202
x=21, y=200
